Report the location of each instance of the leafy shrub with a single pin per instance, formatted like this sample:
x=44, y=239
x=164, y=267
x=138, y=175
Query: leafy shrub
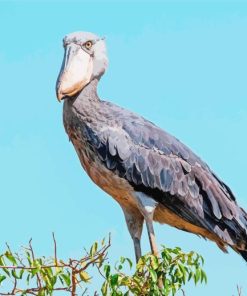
x=164, y=275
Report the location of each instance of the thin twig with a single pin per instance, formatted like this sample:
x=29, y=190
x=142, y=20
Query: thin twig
x=31, y=267
x=19, y=259
x=84, y=292
x=73, y=280
x=31, y=248
x=15, y=283
x=55, y=247
x=33, y=291
x=8, y=247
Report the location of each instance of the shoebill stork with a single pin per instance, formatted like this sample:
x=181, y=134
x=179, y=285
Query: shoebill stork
x=150, y=173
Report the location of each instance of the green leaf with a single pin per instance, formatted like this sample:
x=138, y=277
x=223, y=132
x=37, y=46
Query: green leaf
x=153, y=275
x=66, y=278
x=61, y=280
x=2, y=263
x=84, y=276
x=29, y=257
x=48, y=282
x=34, y=271
x=41, y=292
x=93, y=249
x=49, y=272
x=122, y=260
x=101, y=260
x=104, y=288
x=21, y=273
x=2, y=278
x=125, y=281
x=6, y=271
x=28, y=279
x=154, y=262
x=130, y=262
x=203, y=277
x=140, y=264
x=54, y=280
x=181, y=267
x=14, y=274
x=107, y=270
x=10, y=257
x=114, y=279
x=197, y=276
x=190, y=276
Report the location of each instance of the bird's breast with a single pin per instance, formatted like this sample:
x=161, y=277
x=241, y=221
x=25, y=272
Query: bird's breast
x=118, y=188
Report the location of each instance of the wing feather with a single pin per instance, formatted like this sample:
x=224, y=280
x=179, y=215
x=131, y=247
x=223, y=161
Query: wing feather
x=160, y=165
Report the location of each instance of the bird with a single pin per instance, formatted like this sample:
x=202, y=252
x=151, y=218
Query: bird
x=151, y=174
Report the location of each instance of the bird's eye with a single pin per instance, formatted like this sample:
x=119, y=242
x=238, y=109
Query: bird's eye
x=88, y=44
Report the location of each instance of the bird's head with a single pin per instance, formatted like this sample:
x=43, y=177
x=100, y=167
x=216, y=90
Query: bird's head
x=84, y=60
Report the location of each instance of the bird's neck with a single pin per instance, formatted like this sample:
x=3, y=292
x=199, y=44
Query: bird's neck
x=89, y=93
x=86, y=105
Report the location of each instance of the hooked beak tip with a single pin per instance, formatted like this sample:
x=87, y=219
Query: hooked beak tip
x=59, y=93
x=59, y=97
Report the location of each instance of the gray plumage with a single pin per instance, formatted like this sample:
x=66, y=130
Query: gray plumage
x=153, y=162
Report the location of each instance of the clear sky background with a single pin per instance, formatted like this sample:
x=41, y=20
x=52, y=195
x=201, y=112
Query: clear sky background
x=182, y=65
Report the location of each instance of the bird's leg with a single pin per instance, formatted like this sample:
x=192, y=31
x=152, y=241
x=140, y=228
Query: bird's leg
x=134, y=221
x=147, y=206
x=137, y=246
x=151, y=235
x=152, y=240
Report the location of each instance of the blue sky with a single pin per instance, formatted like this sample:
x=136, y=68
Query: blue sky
x=180, y=64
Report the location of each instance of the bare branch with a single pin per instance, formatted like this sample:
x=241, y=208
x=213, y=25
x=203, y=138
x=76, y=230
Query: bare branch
x=55, y=247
